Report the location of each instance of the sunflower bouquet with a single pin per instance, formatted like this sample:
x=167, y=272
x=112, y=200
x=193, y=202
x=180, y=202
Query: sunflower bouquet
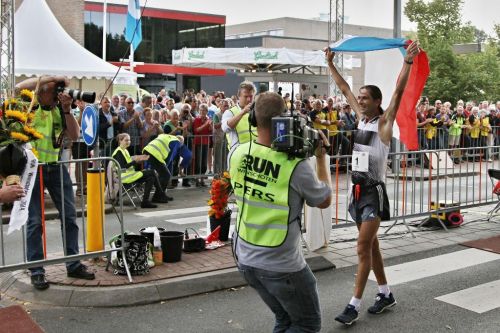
x=219, y=195
x=16, y=132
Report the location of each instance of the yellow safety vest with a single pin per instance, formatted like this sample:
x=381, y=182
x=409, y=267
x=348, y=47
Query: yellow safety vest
x=129, y=175
x=242, y=129
x=159, y=147
x=265, y=184
x=45, y=122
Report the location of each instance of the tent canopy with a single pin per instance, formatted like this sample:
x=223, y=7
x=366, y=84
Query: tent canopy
x=43, y=47
x=258, y=59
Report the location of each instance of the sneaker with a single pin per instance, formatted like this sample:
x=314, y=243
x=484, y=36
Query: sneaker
x=148, y=204
x=349, y=316
x=186, y=184
x=382, y=303
x=82, y=273
x=39, y=282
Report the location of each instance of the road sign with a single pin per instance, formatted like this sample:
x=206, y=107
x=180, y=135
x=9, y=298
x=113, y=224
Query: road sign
x=89, y=124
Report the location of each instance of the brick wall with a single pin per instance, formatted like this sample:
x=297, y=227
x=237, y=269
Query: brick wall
x=69, y=13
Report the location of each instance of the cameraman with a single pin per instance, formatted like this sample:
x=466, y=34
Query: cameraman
x=53, y=119
x=270, y=191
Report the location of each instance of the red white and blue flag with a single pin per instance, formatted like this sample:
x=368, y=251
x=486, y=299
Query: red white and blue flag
x=383, y=61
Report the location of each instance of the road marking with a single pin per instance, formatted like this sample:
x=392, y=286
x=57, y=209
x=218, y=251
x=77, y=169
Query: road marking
x=188, y=220
x=479, y=299
x=169, y=212
x=193, y=219
x=420, y=269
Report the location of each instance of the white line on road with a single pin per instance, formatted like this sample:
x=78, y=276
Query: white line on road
x=168, y=212
x=420, y=269
x=479, y=299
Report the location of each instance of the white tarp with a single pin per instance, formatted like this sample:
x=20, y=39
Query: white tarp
x=238, y=57
x=43, y=47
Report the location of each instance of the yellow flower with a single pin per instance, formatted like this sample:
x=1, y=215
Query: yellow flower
x=31, y=116
x=225, y=174
x=26, y=95
x=37, y=135
x=17, y=115
x=19, y=136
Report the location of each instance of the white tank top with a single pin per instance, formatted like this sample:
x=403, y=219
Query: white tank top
x=368, y=140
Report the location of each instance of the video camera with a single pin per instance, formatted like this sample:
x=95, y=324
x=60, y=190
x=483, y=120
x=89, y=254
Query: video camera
x=85, y=96
x=292, y=135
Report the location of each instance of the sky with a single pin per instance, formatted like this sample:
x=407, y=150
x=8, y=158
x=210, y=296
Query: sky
x=482, y=13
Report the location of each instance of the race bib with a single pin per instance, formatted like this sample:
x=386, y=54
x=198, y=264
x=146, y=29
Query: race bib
x=360, y=161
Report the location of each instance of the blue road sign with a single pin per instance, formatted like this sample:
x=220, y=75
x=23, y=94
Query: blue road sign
x=89, y=124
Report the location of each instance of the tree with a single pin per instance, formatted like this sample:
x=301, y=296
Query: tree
x=453, y=77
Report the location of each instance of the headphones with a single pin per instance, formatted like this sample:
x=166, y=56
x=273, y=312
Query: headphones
x=252, y=119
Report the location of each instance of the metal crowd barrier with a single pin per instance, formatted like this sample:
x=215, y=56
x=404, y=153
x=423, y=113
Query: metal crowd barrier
x=14, y=244
x=418, y=182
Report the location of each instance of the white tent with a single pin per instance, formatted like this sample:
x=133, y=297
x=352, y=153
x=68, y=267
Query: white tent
x=259, y=58
x=43, y=47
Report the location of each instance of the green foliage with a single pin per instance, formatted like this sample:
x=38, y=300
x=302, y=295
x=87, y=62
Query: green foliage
x=453, y=77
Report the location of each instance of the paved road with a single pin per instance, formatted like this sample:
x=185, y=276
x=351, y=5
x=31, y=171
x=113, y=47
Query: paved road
x=418, y=280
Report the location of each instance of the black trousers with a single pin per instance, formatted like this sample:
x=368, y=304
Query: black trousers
x=150, y=178
x=161, y=170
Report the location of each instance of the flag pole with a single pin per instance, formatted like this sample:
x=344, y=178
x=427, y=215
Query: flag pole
x=104, y=29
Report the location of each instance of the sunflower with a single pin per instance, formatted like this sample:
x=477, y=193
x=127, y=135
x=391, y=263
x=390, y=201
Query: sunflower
x=19, y=136
x=16, y=115
x=26, y=95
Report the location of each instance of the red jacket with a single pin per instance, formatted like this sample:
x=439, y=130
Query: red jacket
x=201, y=136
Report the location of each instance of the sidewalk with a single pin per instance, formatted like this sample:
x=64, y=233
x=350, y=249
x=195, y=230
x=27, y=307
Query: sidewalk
x=215, y=269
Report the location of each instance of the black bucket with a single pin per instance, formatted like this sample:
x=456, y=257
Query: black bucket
x=150, y=235
x=171, y=245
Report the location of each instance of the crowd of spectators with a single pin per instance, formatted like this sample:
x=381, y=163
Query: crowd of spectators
x=197, y=117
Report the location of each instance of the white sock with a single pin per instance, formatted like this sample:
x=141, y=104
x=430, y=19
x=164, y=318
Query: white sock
x=356, y=302
x=384, y=289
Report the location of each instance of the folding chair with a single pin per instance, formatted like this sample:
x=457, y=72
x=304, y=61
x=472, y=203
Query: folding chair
x=495, y=182
x=132, y=191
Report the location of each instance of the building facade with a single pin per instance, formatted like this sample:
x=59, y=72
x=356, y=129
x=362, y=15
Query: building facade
x=163, y=30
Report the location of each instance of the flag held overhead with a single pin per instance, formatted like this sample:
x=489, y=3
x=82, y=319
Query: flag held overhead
x=406, y=115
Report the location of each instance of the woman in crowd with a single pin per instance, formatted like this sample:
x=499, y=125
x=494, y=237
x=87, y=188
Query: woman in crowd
x=151, y=128
x=202, y=128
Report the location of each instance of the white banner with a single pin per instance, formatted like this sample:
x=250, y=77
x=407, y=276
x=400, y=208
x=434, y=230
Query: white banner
x=19, y=214
x=318, y=222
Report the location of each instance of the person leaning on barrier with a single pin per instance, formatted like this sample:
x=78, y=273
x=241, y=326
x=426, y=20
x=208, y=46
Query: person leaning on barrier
x=270, y=190
x=53, y=119
x=369, y=203
x=129, y=175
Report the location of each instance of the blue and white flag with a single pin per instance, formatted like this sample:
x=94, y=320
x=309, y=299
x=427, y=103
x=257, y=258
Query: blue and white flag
x=383, y=62
x=133, y=30
x=364, y=44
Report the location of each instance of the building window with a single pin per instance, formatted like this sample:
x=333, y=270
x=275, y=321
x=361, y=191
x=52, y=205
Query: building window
x=159, y=37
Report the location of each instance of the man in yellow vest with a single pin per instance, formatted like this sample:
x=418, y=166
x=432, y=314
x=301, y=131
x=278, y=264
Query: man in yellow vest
x=270, y=191
x=53, y=118
x=235, y=120
x=163, y=151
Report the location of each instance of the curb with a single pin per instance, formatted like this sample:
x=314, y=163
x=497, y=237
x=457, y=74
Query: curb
x=17, y=285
